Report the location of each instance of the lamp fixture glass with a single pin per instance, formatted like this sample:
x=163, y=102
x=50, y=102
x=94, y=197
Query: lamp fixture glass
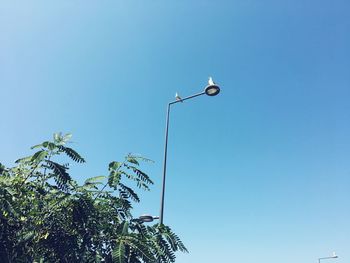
x=212, y=90
x=147, y=218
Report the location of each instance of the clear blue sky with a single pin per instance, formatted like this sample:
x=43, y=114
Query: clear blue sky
x=260, y=173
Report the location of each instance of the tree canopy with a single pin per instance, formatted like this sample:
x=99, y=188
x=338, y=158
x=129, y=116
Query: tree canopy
x=46, y=216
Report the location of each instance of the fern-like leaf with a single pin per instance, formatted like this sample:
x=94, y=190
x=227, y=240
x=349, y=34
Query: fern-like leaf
x=118, y=254
x=60, y=174
x=39, y=156
x=72, y=154
x=129, y=192
x=114, y=179
x=143, y=176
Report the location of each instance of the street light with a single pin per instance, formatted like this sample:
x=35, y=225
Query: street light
x=211, y=90
x=333, y=256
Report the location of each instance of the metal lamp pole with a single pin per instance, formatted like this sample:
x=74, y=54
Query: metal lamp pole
x=211, y=90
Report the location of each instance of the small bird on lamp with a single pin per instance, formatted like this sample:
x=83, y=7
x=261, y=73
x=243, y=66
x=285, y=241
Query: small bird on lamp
x=177, y=97
x=210, y=81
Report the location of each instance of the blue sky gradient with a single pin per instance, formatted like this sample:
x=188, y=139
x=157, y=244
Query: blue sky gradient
x=260, y=173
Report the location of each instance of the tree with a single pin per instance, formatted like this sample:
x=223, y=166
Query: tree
x=46, y=216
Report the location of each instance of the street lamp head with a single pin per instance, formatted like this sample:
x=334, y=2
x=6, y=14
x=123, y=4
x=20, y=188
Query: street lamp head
x=147, y=218
x=212, y=89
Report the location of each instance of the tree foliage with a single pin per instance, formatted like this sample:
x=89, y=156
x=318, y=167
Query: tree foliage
x=46, y=216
